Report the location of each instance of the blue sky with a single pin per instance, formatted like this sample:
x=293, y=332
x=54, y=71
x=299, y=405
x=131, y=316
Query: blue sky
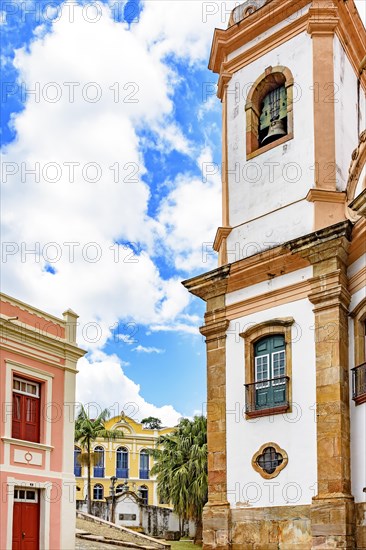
x=109, y=120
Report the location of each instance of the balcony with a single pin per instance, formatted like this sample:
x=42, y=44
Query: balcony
x=98, y=471
x=359, y=384
x=267, y=397
x=122, y=473
x=144, y=474
x=77, y=471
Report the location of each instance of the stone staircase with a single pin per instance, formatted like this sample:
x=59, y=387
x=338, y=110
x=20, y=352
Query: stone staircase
x=91, y=528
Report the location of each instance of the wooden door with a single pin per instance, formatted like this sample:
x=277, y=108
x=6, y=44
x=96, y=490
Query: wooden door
x=25, y=525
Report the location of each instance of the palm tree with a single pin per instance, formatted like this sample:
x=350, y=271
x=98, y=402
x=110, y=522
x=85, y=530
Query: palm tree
x=181, y=469
x=88, y=430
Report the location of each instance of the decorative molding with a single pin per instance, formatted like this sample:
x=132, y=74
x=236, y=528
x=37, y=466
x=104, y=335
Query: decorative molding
x=323, y=20
x=358, y=205
x=222, y=84
x=286, y=295
x=262, y=328
x=263, y=266
x=27, y=457
x=32, y=310
x=354, y=172
x=279, y=468
x=341, y=19
x=357, y=281
x=210, y=284
x=216, y=330
x=228, y=40
x=325, y=195
x=29, y=444
x=221, y=234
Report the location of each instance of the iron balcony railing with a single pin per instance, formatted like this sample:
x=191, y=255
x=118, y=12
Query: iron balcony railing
x=98, y=471
x=359, y=383
x=269, y=396
x=122, y=473
x=144, y=474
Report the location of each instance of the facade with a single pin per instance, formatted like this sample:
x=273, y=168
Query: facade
x=285, y=324
x=126, y=459
x=37, y=392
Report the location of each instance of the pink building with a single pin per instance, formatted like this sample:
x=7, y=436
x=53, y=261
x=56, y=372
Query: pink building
x=37, y=393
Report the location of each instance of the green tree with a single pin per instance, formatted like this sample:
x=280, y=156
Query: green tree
x=152, y=423
x=181, y=469
x=87, y=430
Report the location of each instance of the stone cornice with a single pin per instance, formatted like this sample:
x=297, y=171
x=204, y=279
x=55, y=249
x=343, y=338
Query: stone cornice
x=329, y=290
x=324, y=195
x=208, y=285
x=323, y=18
x=33, y=338
x=214, y=330
x=359, y=204
x=326, y=235
x=30, y=309
x=228, y=40
x=221, y=233
x=222, y=84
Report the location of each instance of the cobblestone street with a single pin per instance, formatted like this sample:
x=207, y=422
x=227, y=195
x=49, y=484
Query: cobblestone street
x=91, y=545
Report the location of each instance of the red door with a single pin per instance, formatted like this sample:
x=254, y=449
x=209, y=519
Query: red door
x=26, y=526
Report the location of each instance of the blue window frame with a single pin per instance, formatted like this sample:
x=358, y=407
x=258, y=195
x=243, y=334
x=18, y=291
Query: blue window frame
x=98, y=461
x=77, y=465
x=144, y=465
x=98, y=492
x=122, y=463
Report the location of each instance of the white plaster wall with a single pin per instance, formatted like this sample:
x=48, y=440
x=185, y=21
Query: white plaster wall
x=358, y=413
x=294, y=432
x=284, y=174
x=270, y=230
x=345, y=99
x=268, y=286
x=127, y=506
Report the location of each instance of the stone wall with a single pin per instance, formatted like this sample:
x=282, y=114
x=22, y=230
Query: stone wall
x=154, y=520
x=361, y=526
x=275, y=528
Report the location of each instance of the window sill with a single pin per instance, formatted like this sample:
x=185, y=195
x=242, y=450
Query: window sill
x=360, y=399
x=270, y=146
x=268, y=412
x=24, y=443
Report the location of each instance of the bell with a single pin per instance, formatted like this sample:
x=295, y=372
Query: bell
x=276, y=130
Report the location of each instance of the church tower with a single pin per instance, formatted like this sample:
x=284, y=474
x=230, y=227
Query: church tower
x=285, y=324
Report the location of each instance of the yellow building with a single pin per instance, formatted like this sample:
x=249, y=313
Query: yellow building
x=125, y=458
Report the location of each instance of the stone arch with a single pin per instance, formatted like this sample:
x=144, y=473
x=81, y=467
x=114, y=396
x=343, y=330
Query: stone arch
x=272, y=78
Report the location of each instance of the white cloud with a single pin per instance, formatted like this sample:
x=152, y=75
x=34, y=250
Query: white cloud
x=175, y=327
x=143, y=349
x=103, y=383
x=73, y=223
x=191, y=214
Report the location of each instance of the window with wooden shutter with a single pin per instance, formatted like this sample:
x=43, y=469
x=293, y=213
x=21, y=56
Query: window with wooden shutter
x=26, y=410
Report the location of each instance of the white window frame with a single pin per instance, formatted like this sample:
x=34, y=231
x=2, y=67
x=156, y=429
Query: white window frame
x=279, y=382
x=30, y=383
x=261, y=385
x=26, y=491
